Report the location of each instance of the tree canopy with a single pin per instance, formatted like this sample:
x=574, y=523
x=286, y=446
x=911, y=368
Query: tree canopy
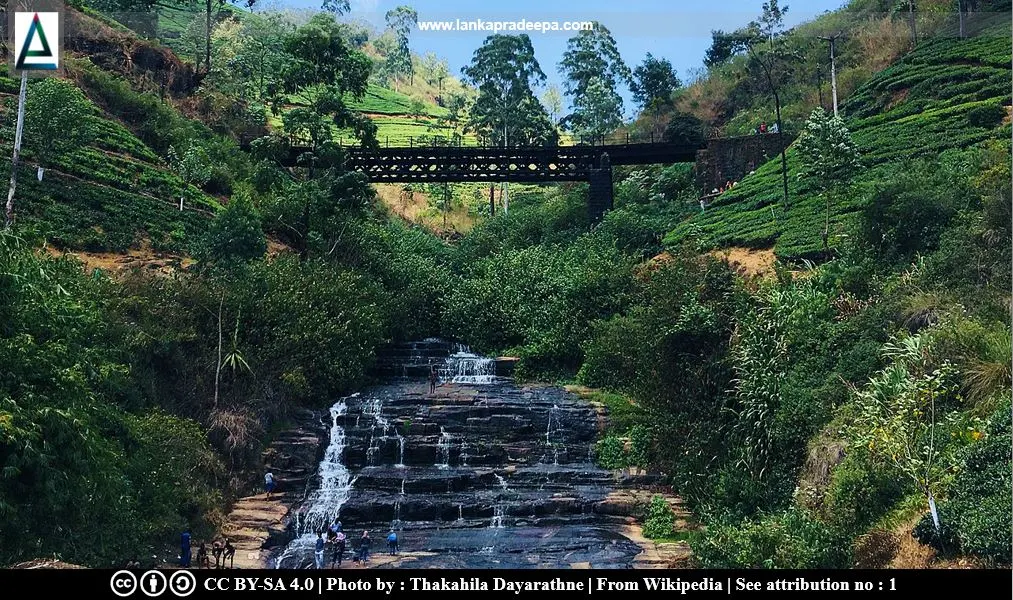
x=653, y=79
x=506, y=111
x=593, y=70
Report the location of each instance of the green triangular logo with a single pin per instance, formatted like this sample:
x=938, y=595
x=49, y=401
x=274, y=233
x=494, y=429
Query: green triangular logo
x=36, y=28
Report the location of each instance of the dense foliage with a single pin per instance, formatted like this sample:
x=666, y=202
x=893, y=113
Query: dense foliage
x=797, y=412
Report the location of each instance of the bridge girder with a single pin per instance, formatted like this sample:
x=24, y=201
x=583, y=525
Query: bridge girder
x=484, y=164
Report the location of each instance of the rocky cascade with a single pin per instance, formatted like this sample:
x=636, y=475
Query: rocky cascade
x=481, y=473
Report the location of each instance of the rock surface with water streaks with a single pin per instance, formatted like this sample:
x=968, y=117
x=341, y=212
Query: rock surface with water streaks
x=482, y=473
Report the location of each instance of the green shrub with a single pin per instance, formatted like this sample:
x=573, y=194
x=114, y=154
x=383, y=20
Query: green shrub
x=859, y=494
x=975, y=518
x=235, y=233
x=610, y=453
x=790, y=540
x=660, y=521
x=986, y=115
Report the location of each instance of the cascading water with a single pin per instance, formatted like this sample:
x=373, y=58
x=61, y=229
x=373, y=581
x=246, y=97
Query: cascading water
x=400, y=452
x=497, y=517
x=374, y=408
x=551, y=427
x=465, y=367
x=443, y=449
x=324, y=504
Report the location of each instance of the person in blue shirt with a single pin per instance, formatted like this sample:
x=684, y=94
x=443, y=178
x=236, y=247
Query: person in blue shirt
x=392, y=542
x=318, y=554
x=184, y=550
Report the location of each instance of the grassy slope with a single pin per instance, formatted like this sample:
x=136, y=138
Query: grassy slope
x=391, y=112
x=108, y=195
x=915, y=108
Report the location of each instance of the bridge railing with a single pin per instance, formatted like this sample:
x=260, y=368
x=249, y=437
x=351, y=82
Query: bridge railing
x=618, y=138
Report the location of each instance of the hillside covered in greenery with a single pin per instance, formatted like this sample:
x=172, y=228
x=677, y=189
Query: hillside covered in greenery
x=947, y=94
x=807, y=411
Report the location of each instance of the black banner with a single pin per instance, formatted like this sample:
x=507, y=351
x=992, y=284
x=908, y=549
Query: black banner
x=406, y=582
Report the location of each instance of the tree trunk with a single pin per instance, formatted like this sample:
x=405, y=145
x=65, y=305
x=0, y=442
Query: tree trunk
x=9, y=213
x=218, y=369
x=826, y=226
x=304, y=247
x=780, y=141
x=446, y=203
x=207, y=37
x=833, y=73
x=912, y=22
x=492, y=200
x=960, y=16
x=819, y=87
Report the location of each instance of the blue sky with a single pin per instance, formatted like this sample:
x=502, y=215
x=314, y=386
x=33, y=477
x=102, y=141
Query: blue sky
x=678, y=30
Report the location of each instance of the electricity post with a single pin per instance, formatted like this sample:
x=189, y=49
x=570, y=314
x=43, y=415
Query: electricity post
x=19, y=129
x=833, y=65
x=9, y=209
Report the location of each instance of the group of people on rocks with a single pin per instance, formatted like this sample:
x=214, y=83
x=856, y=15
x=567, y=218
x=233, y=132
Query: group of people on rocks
x=224, y=552
x=336, y=539
x=221, y=549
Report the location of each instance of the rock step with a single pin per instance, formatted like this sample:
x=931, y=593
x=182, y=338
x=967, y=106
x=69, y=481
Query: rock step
x=255, y=523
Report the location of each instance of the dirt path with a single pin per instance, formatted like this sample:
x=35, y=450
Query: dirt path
x=751, y=262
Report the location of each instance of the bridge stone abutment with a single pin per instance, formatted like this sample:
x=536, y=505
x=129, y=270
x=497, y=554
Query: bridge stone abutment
x=599, y=197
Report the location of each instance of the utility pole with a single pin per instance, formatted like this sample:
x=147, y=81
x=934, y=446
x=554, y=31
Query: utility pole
x=960, y=16
x=506, y=184
x=9, y=213
x=833, y=65
x=819, y=84
x=912, y=22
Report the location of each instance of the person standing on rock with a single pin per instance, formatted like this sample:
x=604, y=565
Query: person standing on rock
x=392, y=542
x=216, y=551
x=339, y=548
x=364, y=543
x=318, y=553
x=432, y=379
x=229, y=554
x=269, y=483
x=184, y=550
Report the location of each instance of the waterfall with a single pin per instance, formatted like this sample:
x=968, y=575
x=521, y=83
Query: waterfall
x=502, y=482
x=324, y=504
x=374, y=409
x=465, y=367
x=400, y=451
x=396, y=523
x=548, y=425
x=551, y=427
x=497, y=517
x=443, y=449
